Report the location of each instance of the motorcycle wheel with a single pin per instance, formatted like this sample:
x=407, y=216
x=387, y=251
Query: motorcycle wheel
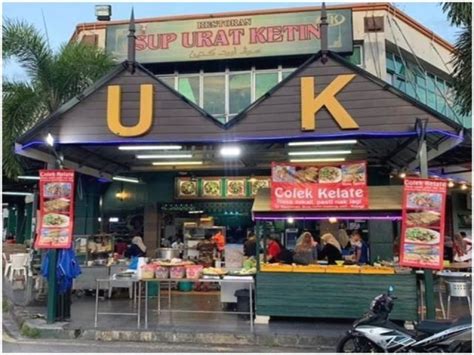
x=354, y=344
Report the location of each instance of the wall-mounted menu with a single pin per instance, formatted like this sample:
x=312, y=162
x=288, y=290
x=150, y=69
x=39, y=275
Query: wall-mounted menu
x=56, y=217
x=422, y=241
x=216, y=187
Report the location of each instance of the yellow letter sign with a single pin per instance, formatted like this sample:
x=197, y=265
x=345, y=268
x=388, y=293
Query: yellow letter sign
x=310, y=105
x=145, y=120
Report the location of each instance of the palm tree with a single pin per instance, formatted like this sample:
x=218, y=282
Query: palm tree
x=54, y=77
x=460, y=15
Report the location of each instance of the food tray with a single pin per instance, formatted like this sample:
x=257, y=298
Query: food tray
x=342, y=270
x=276, y=268
x=309, y=268
x=377, y=270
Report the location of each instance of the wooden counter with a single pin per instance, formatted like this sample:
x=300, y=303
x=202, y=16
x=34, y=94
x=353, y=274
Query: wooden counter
x=332, y=295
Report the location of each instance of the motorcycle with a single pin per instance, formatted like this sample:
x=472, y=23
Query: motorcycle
x=374, y=332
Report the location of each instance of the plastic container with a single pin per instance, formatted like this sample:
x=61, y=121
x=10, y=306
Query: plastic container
x=193, y=271
x=185, y=286
x=147, y=271
x=177, y=272
x=162, y=272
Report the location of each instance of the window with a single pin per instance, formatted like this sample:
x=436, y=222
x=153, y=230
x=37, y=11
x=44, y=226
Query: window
x=357, y=56
x=168, y=80
x=264, y=82
x=189, y=86
x=239, y=92
x=214, y=96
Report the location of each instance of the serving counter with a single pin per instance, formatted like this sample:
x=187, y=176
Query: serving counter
x=332, y=295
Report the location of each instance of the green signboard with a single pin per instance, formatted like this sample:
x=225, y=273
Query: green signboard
x=232, y=37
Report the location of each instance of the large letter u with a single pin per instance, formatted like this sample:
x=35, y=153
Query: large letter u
x=145, y=120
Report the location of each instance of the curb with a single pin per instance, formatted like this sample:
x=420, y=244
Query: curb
x=41, y=329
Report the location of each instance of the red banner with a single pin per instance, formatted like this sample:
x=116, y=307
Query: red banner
x=422, y=240
x=56, y=202
x=329, y=186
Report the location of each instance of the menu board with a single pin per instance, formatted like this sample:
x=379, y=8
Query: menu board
x=422, y=241
x=328, y=186
x=56, y=202
x=216, y=187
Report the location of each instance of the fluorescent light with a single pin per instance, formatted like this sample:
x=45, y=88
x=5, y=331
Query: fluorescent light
x=195, y=162
x=150, y=147
x=230, y=151
x=195, y=212
x=322, y=152
x=164, y=156
x=49, y=139
x=27, y=177
x=126, y=179
x=16, y=193
x=113, y=219
x=346, y=141
x=309, y=160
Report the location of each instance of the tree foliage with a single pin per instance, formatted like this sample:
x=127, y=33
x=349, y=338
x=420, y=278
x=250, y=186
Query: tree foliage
x=460, y=15
x=54, y=77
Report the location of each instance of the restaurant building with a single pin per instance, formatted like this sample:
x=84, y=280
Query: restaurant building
x=186, y=128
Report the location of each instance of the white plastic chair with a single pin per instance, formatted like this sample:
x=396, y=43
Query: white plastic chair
x=8, y=264
x=19, y=263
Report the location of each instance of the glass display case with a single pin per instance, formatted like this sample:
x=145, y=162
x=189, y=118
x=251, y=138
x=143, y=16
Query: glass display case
x=93, y=250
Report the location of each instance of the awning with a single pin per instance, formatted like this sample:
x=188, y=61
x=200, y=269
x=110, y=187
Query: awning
x=385, y=202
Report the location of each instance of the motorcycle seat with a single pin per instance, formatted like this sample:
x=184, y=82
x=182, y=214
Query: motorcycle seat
x=433, y=326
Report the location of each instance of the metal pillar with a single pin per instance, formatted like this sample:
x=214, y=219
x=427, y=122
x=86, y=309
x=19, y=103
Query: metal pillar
x=52, y=286
x=428, y=273
x=257, y=246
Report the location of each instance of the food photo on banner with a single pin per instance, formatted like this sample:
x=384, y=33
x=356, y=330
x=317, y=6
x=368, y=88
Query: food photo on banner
x=326, y=186
x=423, y=222
x=56, y=209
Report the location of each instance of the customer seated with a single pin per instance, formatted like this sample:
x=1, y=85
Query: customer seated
x=306, y=251
x=331, y=250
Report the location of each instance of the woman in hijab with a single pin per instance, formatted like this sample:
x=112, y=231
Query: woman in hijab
x=306, y=250
x=137, y=248
x=331, y=249
x=342, y=237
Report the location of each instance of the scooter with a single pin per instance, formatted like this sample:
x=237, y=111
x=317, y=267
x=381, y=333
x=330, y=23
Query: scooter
x=374, y=332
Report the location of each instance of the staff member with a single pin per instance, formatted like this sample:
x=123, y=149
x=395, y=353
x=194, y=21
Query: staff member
x=137, y=249
x=331, y=249
x=306, y=250
x=361, y=250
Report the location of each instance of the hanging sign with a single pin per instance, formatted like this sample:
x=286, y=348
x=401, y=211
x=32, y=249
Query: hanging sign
x=422, y=240
x=56, y=202
x=330, y=186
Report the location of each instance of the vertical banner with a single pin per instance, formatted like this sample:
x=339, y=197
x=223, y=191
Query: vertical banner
x=56, y=204
x=423, y=223
x=328, y=186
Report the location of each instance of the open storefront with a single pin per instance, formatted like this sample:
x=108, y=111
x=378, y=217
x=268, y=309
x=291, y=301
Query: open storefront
x=176, y=172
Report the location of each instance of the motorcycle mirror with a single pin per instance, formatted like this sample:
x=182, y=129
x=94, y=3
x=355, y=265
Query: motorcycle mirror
x=390, y=290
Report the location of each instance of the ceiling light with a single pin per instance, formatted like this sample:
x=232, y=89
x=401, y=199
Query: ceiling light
x=49, y=139
x=290, y=220
x=113, y=219
x=322, y=152
x=16, y=193
x=316, y=160
x=126, y=179
x=402, y=175
x=99, y=219
x=150, y=147
x=346, y=141
x=451, y=183
x=195, y=212
x=27, y=177
x=230, y=151
x=164, y=156
x=464, y=186
x=332, y=220
x=196, y=162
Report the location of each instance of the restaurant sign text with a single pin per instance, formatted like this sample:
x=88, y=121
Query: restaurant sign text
x=232, y=37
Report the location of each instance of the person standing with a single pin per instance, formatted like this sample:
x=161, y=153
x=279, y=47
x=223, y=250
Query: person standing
x=306, y=250
x=137, y=248
x=250, y=246
x=331, y=249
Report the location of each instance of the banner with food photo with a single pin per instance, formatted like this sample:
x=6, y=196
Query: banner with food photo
x=212, y=188
x=325, y=186
x=187, y=188
x=423, y=220
x=235, y=187
x=56, y=213
x=257, y=184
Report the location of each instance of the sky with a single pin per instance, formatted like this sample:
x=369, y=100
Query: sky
x=59, y=19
